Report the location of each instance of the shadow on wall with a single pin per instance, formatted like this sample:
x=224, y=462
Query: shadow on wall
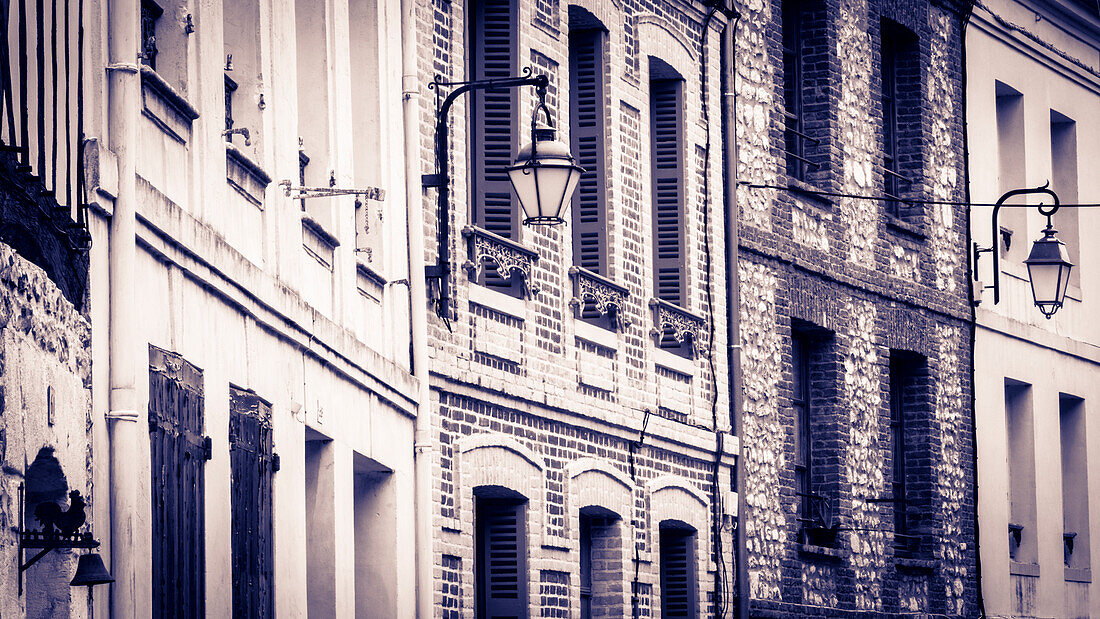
x=47, y=582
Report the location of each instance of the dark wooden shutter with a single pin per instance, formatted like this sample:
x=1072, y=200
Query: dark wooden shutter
x=501, y=566
x=587, y=110
x=493, y=116
x=677, y=577
x=177, y=453
x=666, y=121
x=251, y=460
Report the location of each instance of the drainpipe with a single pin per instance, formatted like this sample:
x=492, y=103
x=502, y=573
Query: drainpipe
x=418, y=299
x=733, y=297
x=124, y=411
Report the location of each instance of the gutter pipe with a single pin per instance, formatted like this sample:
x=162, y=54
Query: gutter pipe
x=418, y=300
x=124, y=412
x=733, y=297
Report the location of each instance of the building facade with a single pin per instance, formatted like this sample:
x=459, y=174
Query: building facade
x=855, y=328
x=578, y=385
x=253, y=404
x=45, y=362
x=579, y=400
x=1033, y=93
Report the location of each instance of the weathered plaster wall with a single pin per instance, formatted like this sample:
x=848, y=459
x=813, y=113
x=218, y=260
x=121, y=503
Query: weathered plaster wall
x=45, y=369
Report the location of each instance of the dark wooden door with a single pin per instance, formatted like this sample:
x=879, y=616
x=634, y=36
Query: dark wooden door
x=252, y=461
x=178, y=451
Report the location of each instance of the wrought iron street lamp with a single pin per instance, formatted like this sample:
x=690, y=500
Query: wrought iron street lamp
x=543, y=176
x=1048, y=265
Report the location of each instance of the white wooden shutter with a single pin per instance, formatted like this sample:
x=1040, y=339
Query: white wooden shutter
x=666, y=131
x=494, y=117
x=587, y=112
x=502, y=569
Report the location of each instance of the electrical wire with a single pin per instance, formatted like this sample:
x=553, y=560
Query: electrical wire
x=721, y=577
x=836, y=194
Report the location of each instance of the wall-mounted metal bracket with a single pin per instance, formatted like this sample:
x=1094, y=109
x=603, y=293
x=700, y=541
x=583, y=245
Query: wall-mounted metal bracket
x=301, y=193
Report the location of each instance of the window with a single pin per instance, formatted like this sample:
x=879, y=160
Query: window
x=586, y=566
x=252, y=461
x=178, y=453
x=150, y=13
x=1075, y=482
x=1010, y=159
x=320, y=543
x=501, y=567
x=493, y=117
x=601, y=562
x=804, y=57
x=677, y=570
x=243, y=77
x=901, y=115
x=314, y=112
x=666, y=111
x=587, y=111
x=371, y=137
x=163, y=44
x=800, y=403
x=1023, y=542
x=816, y=435
x=908, y=418
x=1063, y=161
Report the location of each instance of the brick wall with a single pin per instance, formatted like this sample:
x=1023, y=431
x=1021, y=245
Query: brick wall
x=520, y=373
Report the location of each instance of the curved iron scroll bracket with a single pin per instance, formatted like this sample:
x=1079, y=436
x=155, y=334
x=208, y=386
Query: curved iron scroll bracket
x=441, y=270
x=1048, y=211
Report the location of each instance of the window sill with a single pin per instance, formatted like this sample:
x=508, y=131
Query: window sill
x=914, y=565
x=810, y=192
x=1023, y=569
x=595, y=334
x=1078, y=574
x=369, y=282
x=821, y=552
x=245, y=175
x=503, y=303
x=317, y=241
x=165, y=107
x=905, y=228
x=674, y=362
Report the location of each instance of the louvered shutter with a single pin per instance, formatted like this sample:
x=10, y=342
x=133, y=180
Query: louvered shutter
x=677, y=579
x=501, y=569
x=493, y=116
x=666, y=131
x=586, y=131
x=251, y=461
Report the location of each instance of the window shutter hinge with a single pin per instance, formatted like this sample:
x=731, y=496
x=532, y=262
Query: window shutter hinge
x=207, y=448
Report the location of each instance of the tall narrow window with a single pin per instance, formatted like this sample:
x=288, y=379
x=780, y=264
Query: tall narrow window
x=312, y=26
x=251, y=461
x=901, y=115
x=800, y=403
x=905, y=400
x=501, y=567
x=794, y=135
x=320, y=541
x=587, y=111
x=1012, y=171
x=1023, y=537
x=898, y=378
x=150, y=14
x=177, y=450
x=371, y=138
x=1063, y=162
x=677, y=570
x=666, y=90
x=493, y=117
x=1075, y=482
